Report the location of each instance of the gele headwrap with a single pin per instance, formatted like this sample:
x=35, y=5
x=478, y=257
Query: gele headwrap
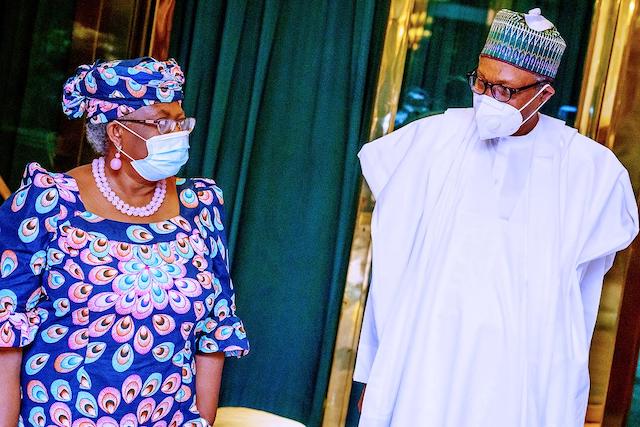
x=107, y=90
x=528, y=41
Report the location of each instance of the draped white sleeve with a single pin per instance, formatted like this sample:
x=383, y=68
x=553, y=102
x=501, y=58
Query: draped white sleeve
x=390, y=165
x=610, y=225
x=379, y=160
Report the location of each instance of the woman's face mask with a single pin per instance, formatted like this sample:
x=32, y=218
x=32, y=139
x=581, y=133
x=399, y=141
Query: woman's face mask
x=497, y=119
x=166, y=154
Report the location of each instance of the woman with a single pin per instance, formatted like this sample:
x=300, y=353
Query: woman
x=114, y=287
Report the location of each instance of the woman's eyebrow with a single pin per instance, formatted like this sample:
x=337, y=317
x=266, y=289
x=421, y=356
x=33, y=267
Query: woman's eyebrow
x=162, y=113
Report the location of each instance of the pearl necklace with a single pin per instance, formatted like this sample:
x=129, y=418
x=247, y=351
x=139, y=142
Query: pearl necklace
x=97, y=167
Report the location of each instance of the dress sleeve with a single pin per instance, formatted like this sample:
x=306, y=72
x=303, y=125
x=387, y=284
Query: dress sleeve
x=221, y=330
x=612, y=224
x=25, y=226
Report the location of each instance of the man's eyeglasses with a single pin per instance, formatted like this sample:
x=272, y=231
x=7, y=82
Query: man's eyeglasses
x=499, y=92
x=167, y=125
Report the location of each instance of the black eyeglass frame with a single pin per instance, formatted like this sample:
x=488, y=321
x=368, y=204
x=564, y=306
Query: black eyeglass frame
x=472, y=76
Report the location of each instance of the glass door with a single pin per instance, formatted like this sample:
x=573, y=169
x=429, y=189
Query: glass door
x=42, y=43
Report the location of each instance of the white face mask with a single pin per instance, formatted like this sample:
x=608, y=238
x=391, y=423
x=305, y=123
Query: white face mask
x=166, y=154
x=496, y=119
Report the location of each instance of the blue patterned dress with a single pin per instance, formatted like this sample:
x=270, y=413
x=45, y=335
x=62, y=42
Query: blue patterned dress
x=110, y=314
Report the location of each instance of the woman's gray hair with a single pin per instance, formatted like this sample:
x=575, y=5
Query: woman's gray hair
x=97, y=136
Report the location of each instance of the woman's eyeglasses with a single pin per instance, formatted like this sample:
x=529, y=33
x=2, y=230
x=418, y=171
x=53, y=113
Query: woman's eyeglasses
x=167, y=125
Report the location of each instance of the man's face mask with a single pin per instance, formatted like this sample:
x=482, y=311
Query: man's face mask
x=497, y=119
x=166, y=154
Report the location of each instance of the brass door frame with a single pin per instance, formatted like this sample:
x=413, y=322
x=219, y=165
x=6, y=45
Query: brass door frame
x=603, y=65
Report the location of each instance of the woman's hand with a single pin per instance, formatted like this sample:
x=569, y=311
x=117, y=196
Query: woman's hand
x=11, y=362
x=208, y=375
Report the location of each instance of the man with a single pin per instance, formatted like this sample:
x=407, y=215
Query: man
x=493, y=229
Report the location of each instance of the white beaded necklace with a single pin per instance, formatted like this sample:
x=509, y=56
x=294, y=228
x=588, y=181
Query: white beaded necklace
x=97, y=167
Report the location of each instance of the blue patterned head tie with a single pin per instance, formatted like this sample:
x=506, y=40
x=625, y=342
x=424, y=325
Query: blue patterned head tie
x=527, y=41
x=107, y=90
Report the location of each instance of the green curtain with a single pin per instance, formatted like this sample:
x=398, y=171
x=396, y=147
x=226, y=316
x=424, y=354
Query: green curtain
x=35, y=43
x=279, y=90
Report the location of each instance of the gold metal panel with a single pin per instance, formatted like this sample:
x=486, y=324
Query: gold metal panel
x=621, y=41
x=609, y=111
x=596, y=69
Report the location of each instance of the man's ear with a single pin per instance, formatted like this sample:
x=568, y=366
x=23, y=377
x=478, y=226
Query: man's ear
x=114, y=133
x=547, y=93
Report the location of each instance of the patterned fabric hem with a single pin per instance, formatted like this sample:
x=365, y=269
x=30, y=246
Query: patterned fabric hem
x=198, y=422
x=236, y=353
x=23, y=326
x=227, y=336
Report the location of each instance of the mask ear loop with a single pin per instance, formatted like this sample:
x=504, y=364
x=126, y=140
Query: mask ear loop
x=125, y=153
x=135, y=133
x=120, y=149
x=531, y=100
x=145, y=140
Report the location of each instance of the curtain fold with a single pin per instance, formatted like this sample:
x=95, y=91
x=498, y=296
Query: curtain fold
x=279, y=89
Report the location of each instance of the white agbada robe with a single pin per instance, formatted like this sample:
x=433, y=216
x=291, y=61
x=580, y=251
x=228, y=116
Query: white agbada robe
x=488, y=262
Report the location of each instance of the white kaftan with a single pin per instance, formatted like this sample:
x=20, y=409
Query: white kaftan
x=488, y=261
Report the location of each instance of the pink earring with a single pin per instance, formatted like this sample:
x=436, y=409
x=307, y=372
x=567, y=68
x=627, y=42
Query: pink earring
x=116, y=163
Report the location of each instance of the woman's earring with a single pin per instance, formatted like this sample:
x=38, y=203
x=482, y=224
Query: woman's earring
x=116, y=163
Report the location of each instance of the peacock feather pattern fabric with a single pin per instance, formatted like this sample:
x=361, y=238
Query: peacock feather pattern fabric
x=107, y=90
x=109, y=314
